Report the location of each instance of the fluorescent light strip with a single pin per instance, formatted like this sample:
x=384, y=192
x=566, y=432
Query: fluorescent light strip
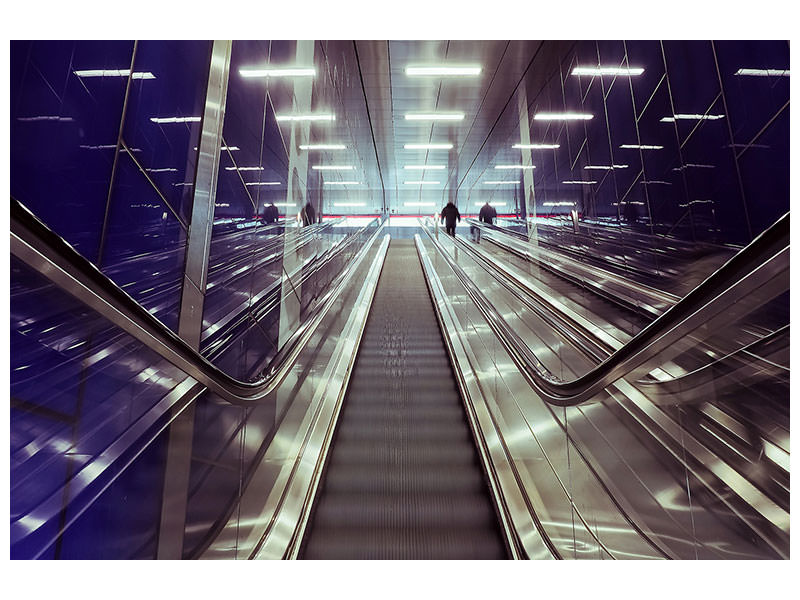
x=655, y=182
x=514, y=167
x=421, y=182
x=44, y=118
x=640, y=147
x=321, y=117
x=685, y=117
x=491, y=203
x=427, y=146
x=322, y=146
x=424, y=167
x=115, y=73
x=278, y=72
x=244, y=168
x=263, y=183
x=184, y=184
x=560, y=203
x=434, y=116
x=419, y=204
x=536, y=146
x=500, y=182
x=162, y=170
x=444, y=70
x=568, y=116
x=349, y=203
x=592, y=71
x=342, y=182
x=284, y=204
x=175, y=119
x=221, y=204
x=579, y=182
x=606, y=167
x=332, y=167
x=763, y=72
x=100, y=147
x=228, y=148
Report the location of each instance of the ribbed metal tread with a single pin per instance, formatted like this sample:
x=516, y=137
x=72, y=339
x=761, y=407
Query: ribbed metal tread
x=403, y=479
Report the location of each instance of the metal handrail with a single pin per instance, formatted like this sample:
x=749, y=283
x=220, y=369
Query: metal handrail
x=764, y=260
x=46, y=252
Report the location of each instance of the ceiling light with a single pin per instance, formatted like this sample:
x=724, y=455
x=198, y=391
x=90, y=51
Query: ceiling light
x=263, y=183
x=640, y=147
x=424, y=167
x=579, y=182
x=500, y=182
x=419, y=204
x=605, y=167
x=175, y=119
x=567, y=116
x=278, y=72
x=349, y=203
x=536, y=146
x=444, y=70
x=322, y=146
x=332, y=167
x=162, y=170
x=592, y=71
x=244, y=168
x=514, y=167
x=284, y=204
x=421, y=182
x=655, y=182
x=686, y=117
x=342, y=182
x=427, y=146
x=321, y=117
x=45, y=118
x=228, y=148
x=763, y=72
x=434, y=116
x=115, y=73
x=560, y=203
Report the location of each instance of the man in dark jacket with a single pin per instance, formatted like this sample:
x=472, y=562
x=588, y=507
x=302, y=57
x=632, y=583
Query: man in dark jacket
x=308, y=215
x=271, y=214
x=487, y=215
x=449, y=216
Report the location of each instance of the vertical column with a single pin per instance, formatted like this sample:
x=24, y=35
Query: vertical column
x=529, y=198
x=297, y=194
x=179, y=451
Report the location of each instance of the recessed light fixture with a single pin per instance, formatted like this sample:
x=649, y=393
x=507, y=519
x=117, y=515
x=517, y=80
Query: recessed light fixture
x=763, y=72
x=559, y=203
x=685, y=117
x=320, y=117
x=445, y=70
x=259, y=183
x=565, y=116
x=456, y=116
x=424, y=167
x=322, y=146
x=244, y=168
x=427, y=146
x=514, y=167
x=641, y=147
x=605, y=167
x=115, y=73
x=332, y=167
x=593, y=71
x=284, y=204
x=278, y=72
x=536, y=146
x=163, y=170
x=576, y=182
x=175, y=119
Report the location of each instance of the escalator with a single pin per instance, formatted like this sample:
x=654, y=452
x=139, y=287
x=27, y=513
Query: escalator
x=403, y=479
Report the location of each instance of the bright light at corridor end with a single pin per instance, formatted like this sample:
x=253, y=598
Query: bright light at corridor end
x=443, y=70
x=593, y=71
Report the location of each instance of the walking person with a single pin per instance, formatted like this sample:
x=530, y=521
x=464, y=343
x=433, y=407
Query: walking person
x=449, y=216
x=487, y=215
